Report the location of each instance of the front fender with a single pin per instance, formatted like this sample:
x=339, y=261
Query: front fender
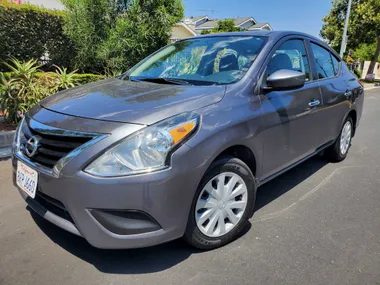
x=222, y=128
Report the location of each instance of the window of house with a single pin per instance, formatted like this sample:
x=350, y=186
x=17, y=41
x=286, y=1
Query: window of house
x=290, y=55
x=323, y=62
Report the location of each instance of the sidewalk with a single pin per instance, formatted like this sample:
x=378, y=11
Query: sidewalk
x=369, y=86
x=366, y=88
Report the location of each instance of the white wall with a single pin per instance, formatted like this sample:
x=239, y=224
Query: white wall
x=376, y=71
x=51, y=4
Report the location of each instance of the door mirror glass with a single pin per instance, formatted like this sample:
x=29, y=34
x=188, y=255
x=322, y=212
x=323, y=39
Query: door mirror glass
x=286, y=79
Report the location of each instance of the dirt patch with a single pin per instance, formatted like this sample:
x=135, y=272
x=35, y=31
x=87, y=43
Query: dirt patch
x=5, y=126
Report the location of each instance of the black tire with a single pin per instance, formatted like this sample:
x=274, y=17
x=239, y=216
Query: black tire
x=333, y=153
x=226, y=164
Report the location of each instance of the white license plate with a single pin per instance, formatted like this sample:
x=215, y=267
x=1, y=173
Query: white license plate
x=26, y=179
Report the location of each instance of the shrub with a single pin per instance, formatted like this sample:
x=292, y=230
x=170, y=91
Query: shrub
x=80, y=78
x=25, y=85
x=22, y=90
x=358, y=73
x=63, y=79
x=88, y=77
x=29, y=31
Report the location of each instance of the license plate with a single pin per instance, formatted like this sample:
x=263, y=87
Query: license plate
x=26, y=179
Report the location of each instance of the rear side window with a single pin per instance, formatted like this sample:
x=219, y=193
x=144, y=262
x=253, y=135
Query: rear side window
x=335, y=62
x=290, y=55
x=323, y=62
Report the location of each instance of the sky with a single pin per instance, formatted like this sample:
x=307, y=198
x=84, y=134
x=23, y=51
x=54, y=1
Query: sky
x=296, y=15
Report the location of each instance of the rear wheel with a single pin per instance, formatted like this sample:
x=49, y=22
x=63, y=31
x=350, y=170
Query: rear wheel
x=338, y=151
x=222, y=205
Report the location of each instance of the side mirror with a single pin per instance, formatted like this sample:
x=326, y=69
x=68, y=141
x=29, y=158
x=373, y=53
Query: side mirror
x=285, y=79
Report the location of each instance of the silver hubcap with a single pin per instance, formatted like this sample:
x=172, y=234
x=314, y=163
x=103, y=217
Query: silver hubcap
x=221, y=204
x=345, y=138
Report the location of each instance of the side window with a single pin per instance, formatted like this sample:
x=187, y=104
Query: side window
x=290, y=55
x=335, y=62
x=323, y=61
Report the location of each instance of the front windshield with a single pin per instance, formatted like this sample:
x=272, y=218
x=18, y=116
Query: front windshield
x=202, y=61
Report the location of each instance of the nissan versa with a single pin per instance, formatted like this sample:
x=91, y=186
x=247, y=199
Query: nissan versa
x=177, y=146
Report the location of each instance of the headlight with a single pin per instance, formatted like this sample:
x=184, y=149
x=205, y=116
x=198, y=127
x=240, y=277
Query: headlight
x=146, y=150
x=17, y=137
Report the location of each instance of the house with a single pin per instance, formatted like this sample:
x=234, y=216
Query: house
x=200, y=23
x=182, y=31
x=245, y=23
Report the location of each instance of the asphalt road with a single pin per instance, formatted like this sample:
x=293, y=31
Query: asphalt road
x=316, y=224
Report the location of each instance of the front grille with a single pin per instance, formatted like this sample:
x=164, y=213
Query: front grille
x=53, y=205
x=52, y=146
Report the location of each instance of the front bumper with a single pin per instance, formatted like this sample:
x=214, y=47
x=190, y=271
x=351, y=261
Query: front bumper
x=165, y=196
x=161, y=199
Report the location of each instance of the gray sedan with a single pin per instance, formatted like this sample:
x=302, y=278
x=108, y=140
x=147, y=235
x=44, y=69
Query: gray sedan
x=178, y=145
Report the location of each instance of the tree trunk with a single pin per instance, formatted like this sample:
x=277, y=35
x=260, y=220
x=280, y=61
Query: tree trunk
x=375, y=57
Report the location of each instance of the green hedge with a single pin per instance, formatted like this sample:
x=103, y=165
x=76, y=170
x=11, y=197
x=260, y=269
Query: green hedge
x=28, y=31
x=88, y=77
x=81, y=78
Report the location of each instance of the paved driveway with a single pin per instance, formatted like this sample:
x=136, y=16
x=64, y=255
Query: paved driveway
x=317, y=224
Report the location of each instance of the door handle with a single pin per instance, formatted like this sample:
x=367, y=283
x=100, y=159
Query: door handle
x=348, y=93
x=314, y=103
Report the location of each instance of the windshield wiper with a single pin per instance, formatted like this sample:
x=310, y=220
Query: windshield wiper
x=161, y=80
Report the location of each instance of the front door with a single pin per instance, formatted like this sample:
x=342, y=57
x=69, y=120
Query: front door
x=290, y=116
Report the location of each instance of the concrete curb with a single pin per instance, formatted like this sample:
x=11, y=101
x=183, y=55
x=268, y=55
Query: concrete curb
x=370, y=88
x=6, y=139
x=5, y=153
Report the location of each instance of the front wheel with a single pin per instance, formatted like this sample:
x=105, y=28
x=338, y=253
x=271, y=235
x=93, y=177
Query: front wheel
x=222, y=205
x=338, y=151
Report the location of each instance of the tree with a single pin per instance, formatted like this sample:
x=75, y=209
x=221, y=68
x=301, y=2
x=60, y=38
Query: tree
x=370, y=16
x=227, y=25
x=365, y=52
x=144, y=28
x=87, y=23
x=364, y=25
x=115, y=34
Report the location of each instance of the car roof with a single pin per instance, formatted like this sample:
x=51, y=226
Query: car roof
x=274, y=35
x=266, y=33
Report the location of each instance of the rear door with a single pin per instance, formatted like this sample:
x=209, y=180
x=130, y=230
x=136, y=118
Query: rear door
x=335, y=88
x=290, y=116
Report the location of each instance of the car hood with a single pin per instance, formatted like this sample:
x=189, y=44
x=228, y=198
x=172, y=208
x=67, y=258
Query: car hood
x=131, y=102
